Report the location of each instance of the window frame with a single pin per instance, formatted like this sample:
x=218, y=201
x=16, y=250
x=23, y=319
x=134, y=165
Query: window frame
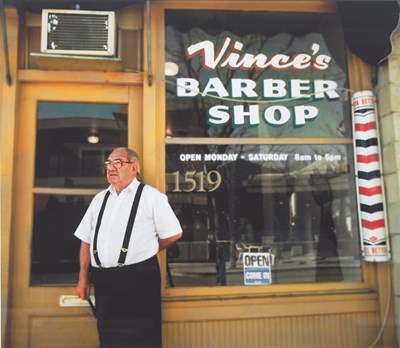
x=358, y=75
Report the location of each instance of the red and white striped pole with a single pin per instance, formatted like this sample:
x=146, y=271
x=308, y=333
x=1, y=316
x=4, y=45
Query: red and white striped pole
x=370, y=190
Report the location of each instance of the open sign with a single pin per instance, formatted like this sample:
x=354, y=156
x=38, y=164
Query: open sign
x=257, y=268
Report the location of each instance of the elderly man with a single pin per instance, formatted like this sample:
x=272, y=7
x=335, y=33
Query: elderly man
x=124, y=228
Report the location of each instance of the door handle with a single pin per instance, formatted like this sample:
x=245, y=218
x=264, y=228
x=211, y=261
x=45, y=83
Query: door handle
x=73, y=301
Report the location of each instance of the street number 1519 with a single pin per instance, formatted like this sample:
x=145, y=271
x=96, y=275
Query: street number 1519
x=197, y=181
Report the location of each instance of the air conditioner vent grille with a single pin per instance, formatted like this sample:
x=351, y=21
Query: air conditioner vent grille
x=78, y=32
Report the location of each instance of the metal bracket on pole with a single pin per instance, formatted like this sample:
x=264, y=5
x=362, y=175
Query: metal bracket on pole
x=5, y=42
x=148, y=28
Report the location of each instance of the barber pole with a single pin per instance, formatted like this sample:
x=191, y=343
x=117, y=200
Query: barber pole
x=370, y=190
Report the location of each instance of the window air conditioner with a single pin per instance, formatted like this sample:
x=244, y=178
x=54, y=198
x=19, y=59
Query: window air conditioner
x=76, y=32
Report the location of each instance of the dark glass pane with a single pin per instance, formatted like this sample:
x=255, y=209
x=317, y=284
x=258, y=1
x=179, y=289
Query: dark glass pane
x=293, y=201
x=73, y=140
x=55, y=249
x=255, y=74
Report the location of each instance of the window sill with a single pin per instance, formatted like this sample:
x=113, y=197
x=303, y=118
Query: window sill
x=94, y=77
x=251, y=292
x=76, y=63
x=272, y=306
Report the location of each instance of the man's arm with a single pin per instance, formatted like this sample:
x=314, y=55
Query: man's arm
x=164, y=243
x=83, y=287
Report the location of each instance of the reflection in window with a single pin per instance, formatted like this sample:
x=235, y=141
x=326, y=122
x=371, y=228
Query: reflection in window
x=74, y=139
x=295, y=202
x=55, y=250
x=72, y=142
x=231, y=75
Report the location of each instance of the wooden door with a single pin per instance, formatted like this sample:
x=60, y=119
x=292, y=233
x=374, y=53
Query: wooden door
x=57, y=172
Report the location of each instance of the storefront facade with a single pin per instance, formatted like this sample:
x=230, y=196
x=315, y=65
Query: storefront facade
x=241, y=111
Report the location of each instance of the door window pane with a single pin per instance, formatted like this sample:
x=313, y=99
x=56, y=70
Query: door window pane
x=72, y=142
x=295, y=202
x=74, y=139
x=55, y=249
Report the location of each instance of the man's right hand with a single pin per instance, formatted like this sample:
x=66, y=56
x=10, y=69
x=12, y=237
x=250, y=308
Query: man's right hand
x=83, y=289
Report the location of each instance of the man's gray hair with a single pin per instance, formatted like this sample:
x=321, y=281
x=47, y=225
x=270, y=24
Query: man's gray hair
x=132, y=155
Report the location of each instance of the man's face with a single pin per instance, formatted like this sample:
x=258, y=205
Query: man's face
x=121, y=177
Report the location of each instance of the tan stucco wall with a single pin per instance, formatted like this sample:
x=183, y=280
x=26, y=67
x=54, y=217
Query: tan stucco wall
x=388, y=90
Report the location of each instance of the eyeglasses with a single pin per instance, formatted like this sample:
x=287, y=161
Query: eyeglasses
x=116, y=163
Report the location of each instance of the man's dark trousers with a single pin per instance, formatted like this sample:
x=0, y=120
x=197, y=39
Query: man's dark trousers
x=128, y=305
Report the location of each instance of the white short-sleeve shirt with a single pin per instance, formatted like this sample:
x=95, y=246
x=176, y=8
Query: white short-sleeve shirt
x=154, y=219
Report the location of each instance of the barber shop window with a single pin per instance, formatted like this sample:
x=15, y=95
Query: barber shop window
x=259, y=156
x=72, y=142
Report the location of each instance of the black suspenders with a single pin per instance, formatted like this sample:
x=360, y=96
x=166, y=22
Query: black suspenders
x=96, y=233
x=128, y=231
